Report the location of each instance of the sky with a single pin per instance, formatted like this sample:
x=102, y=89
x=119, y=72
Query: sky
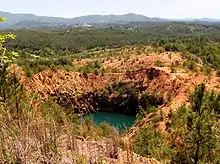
x=150, y=8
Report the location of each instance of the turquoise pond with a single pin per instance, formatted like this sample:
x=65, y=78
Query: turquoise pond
x=119, y=121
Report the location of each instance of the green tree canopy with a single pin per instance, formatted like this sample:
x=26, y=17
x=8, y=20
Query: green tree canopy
x=198, y=126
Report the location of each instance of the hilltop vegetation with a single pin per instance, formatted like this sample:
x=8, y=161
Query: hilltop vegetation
x=55, y=48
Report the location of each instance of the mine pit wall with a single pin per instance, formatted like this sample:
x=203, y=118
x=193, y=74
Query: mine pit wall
x=64, y=87
x=97, y=102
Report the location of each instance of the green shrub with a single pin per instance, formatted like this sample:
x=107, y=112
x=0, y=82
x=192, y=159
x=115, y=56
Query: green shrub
x=161, y=50
x=143, y=113
x=32, y=66
x=218, y=73
x=93, y=66
x=159, y=63
x=106, y=130
x=149, y=142
x=96, y=71
x=115, y=70
x=103, y=70
x=146, y=140
x=97, y=64
x=170, y=56
x=64, y=60
x=173, y=67
x=190, y=64
x=207, y=70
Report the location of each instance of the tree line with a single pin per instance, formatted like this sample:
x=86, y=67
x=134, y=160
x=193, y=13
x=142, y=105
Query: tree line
x=188, y=39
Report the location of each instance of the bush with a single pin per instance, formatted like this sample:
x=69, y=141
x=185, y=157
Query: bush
x=103, y=70
x=96, y=71
x=146, y=141
x=150, y=142
x=218, y=73
x=143, y=113
x=106, y=130
x=207, y=71
x=170, y=56
x=93, y=66
x=190, y=64
x=63, y=61
x=159, y=63
x=97, y=64
x=173, y=69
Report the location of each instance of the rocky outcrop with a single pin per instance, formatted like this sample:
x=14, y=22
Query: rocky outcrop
x=104, y=152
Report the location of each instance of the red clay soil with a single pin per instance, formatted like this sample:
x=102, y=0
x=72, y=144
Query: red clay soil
x=159, y=80
x=49, y=81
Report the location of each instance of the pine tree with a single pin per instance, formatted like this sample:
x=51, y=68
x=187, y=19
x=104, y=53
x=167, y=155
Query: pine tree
x=198, y=126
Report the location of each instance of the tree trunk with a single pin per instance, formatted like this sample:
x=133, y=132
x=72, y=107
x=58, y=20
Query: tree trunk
x=196, y=157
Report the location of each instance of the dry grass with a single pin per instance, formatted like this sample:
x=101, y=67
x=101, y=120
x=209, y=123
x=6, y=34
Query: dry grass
x=36, y=137
x=32, y=139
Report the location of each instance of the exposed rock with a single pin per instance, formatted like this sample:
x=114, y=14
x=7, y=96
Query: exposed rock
x=109, y=152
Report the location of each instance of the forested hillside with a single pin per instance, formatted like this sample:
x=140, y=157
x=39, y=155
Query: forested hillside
x=19, y=21
x=201, y=40
x=78, y=39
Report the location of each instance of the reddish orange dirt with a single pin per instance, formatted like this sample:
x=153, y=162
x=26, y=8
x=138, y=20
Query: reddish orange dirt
x=142, y=69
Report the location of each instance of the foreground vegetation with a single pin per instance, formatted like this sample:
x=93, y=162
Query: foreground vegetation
x=193, y=132
x=33, y=131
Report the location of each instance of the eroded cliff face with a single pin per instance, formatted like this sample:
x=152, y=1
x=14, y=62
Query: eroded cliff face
x=71, y=89
x=86, y=93
x=138, y=71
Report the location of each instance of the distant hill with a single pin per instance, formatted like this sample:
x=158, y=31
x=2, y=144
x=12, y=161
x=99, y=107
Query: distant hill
x=114, y=18
x=30, y=21
x=18, y=21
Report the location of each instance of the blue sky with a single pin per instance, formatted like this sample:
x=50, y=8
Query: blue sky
x=151, y=8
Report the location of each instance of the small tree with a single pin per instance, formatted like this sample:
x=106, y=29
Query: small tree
x=218, y=73
x=191, y=65
x=149, y=142
x=10, y=88
x=173, y=68
x=159, y=63
x=207, y=70
x=198, y=128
